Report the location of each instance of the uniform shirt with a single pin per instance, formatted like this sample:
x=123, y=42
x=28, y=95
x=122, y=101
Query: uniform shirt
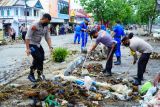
x=83, y=26
x=138, y=44
x=23, y=29
x=105, y=38
x=103, y=27
x=119, y=31
x=36, y=32
x=78, y=29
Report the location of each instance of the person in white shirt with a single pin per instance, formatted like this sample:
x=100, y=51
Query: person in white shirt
x=138, y=45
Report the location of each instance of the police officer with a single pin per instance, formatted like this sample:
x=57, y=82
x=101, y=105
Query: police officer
x=138, y=45
x=118, y=32
x=77, y=33
x=33, y=38
x=84, y=35
x=105, y=38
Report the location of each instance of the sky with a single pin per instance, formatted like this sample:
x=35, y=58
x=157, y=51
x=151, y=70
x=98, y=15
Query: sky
x=75, y=5
x=45, y=4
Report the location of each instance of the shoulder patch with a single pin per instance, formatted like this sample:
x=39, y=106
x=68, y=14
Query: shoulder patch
x=34, y=28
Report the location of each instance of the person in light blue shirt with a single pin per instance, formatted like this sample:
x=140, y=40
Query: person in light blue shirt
x=118, y=32
x=77, y=33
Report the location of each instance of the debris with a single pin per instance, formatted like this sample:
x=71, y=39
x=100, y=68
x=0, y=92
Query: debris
x=87, y=82
x=50, y=101
x=73, y=65
x=155, y=55
x=95, y=96
x=147, y=85
x=95, y=67
x=85, y=72
x=100, y=53
x=121, y=89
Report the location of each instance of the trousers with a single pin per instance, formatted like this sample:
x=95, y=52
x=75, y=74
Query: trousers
x=38, y=57
x=109, y=63
x=142, y=63
x=84, y=37
x=118, y=48
x=77, y=36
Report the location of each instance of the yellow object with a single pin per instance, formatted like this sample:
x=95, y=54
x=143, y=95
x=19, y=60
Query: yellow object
x=133, y=52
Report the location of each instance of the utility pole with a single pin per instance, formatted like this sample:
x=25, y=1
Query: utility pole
x=26, y=12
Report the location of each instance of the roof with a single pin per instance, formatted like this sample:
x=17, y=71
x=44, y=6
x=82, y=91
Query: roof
x=34, y=3
x=78, y=14
x=30, y=3
x=7, y=2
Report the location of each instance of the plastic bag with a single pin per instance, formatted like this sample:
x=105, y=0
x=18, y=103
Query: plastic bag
x=145, y=87
x=151, y=91
x=85, y=72
x=73, y=65
x=87, y=82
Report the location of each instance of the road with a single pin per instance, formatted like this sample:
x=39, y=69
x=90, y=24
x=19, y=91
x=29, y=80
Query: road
x=14, y=59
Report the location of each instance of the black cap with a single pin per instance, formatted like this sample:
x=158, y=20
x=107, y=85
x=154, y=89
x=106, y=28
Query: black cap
x=48, y=16
x=93, y=31
x=124, y=38
x=130, y=35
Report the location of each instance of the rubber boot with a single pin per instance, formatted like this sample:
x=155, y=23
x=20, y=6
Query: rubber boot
x=118, y=62
x=40, y=77
x=31, y=76
x=136, y=81
x=108, y=72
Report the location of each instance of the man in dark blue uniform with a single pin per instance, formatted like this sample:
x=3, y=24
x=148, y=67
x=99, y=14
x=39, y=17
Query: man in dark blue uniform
x=84, y=35
x=118, y=32
x=77, y=33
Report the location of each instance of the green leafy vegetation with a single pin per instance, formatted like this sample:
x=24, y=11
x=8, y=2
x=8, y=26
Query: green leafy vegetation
x=59, y=54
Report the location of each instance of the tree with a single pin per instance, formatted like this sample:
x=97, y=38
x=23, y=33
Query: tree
x=96, y=7
x=145, y=11
x=108, y=10
x=128, y=11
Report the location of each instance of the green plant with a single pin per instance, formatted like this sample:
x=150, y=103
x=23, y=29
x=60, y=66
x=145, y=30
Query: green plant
x=19, y=37
x=59, y=54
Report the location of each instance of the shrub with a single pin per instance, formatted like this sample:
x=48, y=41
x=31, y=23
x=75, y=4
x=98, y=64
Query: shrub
x=59, y=54
x=19, y=37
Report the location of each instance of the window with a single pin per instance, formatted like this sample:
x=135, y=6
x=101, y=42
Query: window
x=27, y=13
x=8, y=12
x=2, y=12
x=35, y=12
x=63, y=7
x=16, y=12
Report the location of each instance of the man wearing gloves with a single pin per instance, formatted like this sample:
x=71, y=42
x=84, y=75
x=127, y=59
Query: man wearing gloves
x=139, y=45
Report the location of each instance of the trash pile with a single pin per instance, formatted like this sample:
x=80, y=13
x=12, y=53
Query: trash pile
x=150, y=94
x=155, y=55
x=72, y=91
x=99, y=54
x=94, y=67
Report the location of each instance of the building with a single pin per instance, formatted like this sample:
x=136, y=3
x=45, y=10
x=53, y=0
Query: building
x=59, y=10
x=16, y=12
x=77, y=13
